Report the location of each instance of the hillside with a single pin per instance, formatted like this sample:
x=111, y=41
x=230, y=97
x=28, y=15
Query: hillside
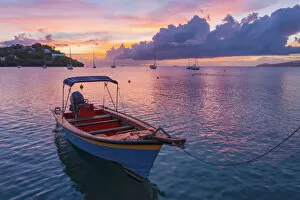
x=285, y=64
x=34, y=55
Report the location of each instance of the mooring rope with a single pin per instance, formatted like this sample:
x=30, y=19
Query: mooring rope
x=242, y=162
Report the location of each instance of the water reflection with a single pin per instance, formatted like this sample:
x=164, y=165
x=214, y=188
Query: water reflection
x=97, y=178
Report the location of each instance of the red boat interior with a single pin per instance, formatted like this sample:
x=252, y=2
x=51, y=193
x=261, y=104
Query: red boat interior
x=104, y=124
x=98, y=121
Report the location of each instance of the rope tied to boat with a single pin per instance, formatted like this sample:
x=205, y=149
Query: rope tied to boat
x=160, y=129
x=242, y=162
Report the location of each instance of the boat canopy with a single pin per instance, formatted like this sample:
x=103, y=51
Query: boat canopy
x=80, y=79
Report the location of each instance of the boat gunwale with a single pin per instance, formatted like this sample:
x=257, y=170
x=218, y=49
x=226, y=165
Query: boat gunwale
x=62, y=121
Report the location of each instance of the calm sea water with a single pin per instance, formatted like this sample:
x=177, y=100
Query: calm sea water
x=227, y=115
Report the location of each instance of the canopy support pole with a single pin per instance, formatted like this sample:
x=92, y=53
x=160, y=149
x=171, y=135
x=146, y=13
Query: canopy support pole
x=117, y=98
x=110, y=97
x=64, y=108
x=103, y=95
x=63, y=95
x=67, y=100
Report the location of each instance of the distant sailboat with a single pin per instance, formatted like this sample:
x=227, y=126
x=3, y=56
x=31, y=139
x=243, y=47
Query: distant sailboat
x=195, y=66
x=44, y=65
x=153, y=66
x=70, y=66
x=94, y=66
x=189, y=64
x=113, y=65
x=19, y=66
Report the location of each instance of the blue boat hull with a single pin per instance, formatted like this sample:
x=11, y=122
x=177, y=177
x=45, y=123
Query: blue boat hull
x=137, y=158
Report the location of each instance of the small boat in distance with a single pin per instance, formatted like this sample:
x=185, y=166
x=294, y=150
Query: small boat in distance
x=19, y=66
x=94, y=66
x=153, y=66
x=70, y=66
x=114, y=64
x=108, y=133
x=44, y=66
x=194, y=67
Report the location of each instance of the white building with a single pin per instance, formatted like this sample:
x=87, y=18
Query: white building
x=3, y=58
x=47, y=51
x=57, y=54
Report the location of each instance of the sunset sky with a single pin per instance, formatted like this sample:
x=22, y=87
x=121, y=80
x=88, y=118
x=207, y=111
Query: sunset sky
x=92, y=25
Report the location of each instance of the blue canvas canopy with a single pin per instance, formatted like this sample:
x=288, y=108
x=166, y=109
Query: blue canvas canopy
x=80, y=79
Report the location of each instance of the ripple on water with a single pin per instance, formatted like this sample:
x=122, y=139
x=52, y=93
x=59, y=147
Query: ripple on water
x=225, y=118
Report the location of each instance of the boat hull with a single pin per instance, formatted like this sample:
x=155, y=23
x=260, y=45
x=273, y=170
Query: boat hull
x=138, y=158
x=152, y=66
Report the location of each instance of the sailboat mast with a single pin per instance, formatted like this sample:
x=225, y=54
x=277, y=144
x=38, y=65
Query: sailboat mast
x=70, y=55
x=93, y=59
x=154, y=54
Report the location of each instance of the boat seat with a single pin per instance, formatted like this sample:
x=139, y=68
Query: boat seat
x=109, y=130
x=101, y=122
x=86, y=110
x=88, y=118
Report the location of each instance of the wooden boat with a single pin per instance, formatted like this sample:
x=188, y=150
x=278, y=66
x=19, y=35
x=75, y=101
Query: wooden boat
x=109, y=134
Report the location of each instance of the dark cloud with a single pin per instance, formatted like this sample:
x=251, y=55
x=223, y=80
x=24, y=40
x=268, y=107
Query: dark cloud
x=195, y=30
x=23, y=39
x=61, y=45
x=90, y=42
x=250, y=18
x=229, y=19
x=48, y=37
x=254, y=35
x=208, y=17
x=297, y=39
x=26, y=39
x=96, y=41
x=42, y=30
x=118, y=52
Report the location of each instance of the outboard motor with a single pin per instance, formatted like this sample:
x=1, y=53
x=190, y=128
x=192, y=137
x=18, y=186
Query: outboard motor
x=76, y=99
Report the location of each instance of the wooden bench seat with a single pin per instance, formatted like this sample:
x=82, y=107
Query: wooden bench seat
x=88, y=118
x=100, y=122
x=109, y=130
